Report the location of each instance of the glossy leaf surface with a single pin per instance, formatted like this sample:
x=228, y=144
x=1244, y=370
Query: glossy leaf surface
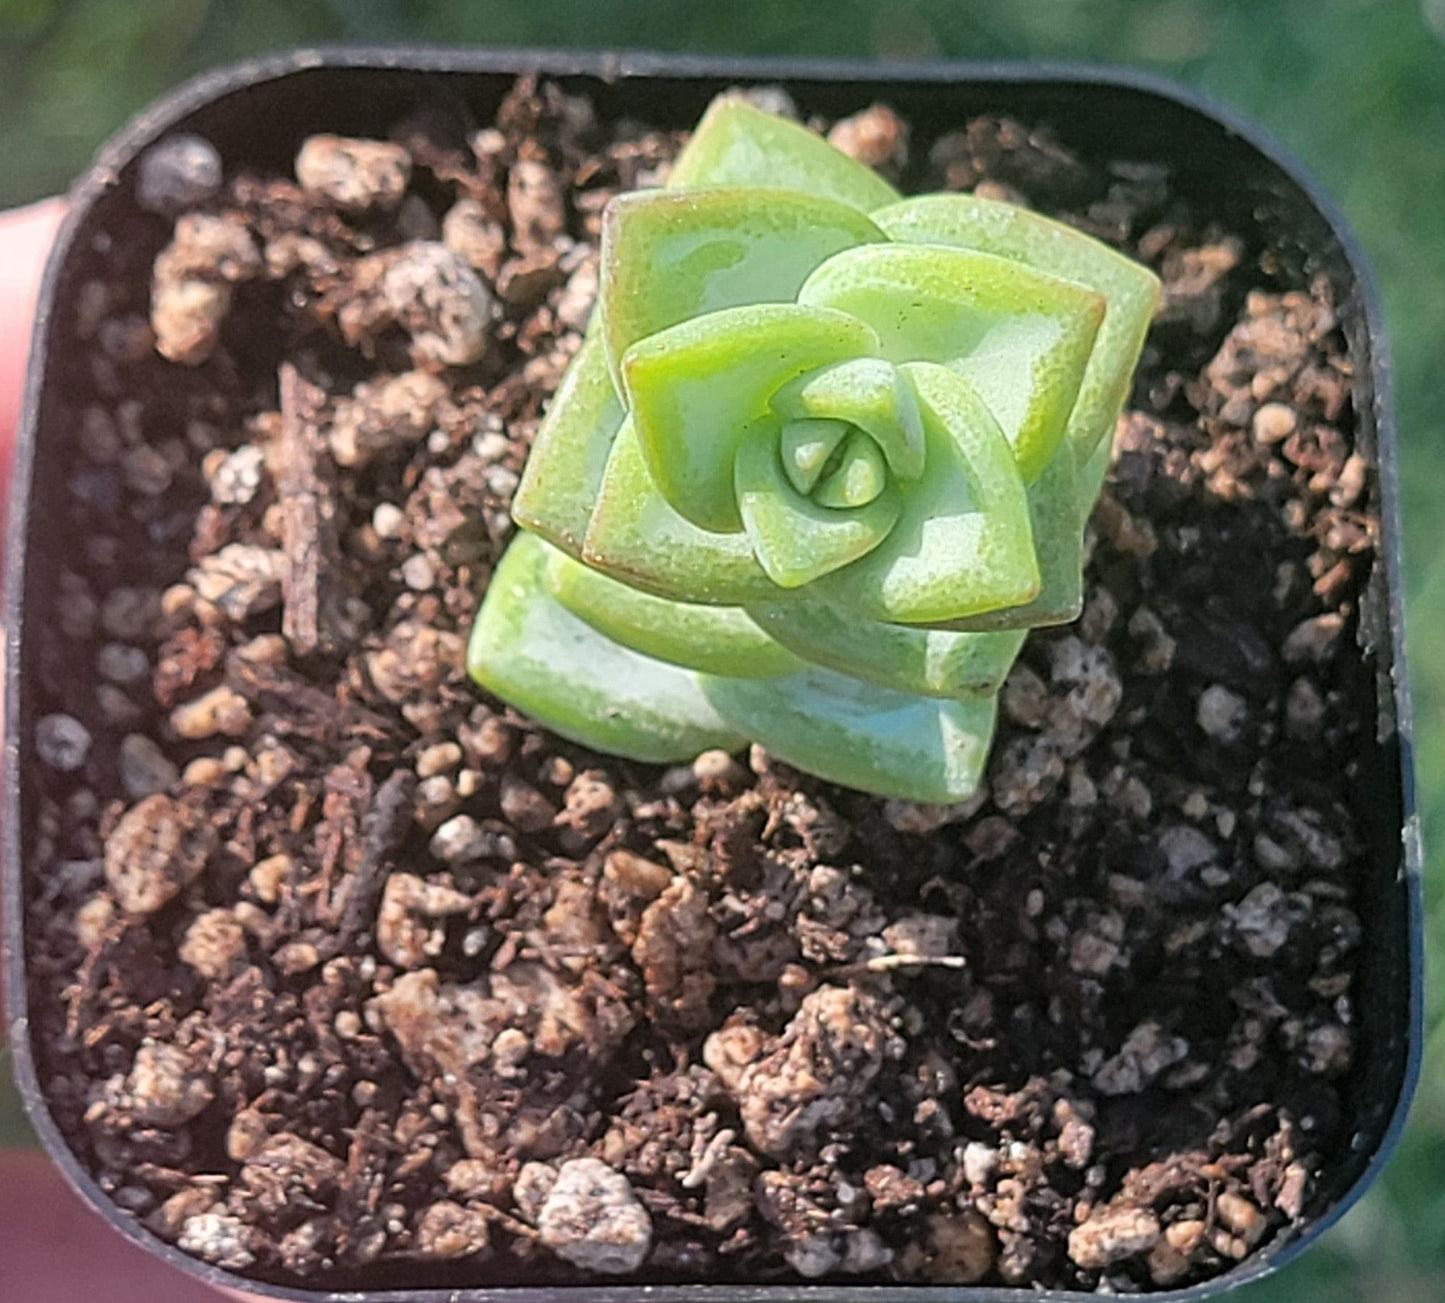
x=528, y=649
x=849, y=732
x=1021, y=337
x=718, y=639
x=564, y=472
x=796, y=538
x=817, y=426
x=736, y=143
x=962, y=543
x=636, y=536
x=695, y=390
x=1130, y=292
x=669, y=256
x=929, y=662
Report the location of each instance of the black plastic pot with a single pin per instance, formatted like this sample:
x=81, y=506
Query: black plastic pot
x=257, y=113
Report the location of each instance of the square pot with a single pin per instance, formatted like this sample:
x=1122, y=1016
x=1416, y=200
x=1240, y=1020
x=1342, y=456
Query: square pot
x=257, y=113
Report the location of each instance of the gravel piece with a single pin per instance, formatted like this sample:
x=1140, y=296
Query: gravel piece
x=440, y=302
x=164, y=1089
x=1222, y=713
x=157, y=848
x=179, y=172
x=383, y=415
x=877, y=137
x=145, y=769
x=479, y=239
x=62, y=742
x=592, y=1219
x=217, y=1238
x=221, y=711
x=355, y=175
x=446, y=1230
x=535, y=204
x=459, y=841
x=214, y=944
x=1113, y=1236
x=239, y=476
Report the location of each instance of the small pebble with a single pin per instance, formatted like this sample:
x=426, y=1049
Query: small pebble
x=1265, y=917
x=440, y=302
x=237, y=479
x=1112, y=1236
x=535, y=201
x=164, y=1088
x=1313, y=639
x=876, y=137
x=214, y=944
x=1222, y=713
x=62, y=742
x=718, y=771
x=218, y=1238
x=1185, y=849
x=1274, y=423
x=447, y=1231
x=93, y=920
x=479, y=239
x=525, y=807
x=1304, y=711
x=119, y=710
x=458, y=840
x=267, y=875
x=440, y=758
x=222, y=710
x=418, y=573
x=122, y=664
x=179, y=172
x=592, y=1219
x=355, y=175
x=144, y=768
x=158, y=847
x=388, y=520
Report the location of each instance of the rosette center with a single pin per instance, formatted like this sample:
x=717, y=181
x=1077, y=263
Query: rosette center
x=832, y=462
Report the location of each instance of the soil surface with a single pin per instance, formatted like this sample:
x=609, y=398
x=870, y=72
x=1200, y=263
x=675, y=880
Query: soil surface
x=344, y=973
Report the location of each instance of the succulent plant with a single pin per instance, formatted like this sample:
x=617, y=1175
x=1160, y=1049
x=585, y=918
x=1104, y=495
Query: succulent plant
x=824, y=457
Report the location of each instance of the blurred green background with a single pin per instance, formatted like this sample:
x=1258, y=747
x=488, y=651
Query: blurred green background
x=1356, y=88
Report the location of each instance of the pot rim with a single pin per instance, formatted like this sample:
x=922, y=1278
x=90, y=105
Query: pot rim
x=201, y=90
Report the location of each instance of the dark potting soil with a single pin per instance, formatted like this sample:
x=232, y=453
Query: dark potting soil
x=343, y=973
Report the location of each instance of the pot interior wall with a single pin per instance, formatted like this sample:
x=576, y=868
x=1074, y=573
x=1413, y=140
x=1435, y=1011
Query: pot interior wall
x=260, y=125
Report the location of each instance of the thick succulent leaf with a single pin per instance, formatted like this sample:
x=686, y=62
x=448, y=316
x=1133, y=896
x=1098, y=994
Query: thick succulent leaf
x=1130, y=290
x=717, y=639
x=859, y=477
x=1060, y=503
x=669, y=256
x=1057, y=512
x=695, y=389
x=850, y=732
x=794, y=538
x=565, y=467
x=739, y=144
x=927, y=662
x=805, y=447
x=531, y=651
x=867, y=392
x=636, y=537
x=1092, y=475
x=962, y=544
x=1022, y=337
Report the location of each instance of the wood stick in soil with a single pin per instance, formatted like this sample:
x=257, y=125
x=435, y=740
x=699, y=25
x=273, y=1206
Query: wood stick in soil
x=311, y=619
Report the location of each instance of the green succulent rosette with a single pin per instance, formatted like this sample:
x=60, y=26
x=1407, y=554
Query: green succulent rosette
x=824, y=457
